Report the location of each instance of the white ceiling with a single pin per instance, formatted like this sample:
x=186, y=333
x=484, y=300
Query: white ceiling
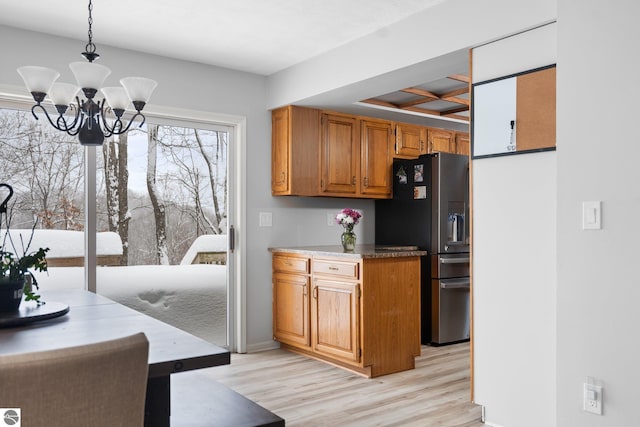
x=258, y=36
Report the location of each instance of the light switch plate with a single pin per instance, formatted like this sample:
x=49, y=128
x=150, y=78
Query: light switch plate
x=266, y=219
x=592, y=215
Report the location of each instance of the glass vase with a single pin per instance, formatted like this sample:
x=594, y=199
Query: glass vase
x=349, y=241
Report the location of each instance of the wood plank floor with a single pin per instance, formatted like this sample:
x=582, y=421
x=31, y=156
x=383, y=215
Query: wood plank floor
x=306, y=392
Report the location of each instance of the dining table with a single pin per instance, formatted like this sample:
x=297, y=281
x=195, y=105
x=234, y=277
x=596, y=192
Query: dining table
x=86, y=317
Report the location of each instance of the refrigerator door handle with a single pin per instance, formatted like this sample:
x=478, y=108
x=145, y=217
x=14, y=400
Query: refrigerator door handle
x=455, y=283
x=462, y=260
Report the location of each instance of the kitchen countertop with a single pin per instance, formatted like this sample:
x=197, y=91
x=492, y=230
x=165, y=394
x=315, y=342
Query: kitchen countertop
x=360, y=252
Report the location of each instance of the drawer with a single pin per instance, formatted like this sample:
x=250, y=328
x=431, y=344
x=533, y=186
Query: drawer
x=344, y=269
x=291, y=264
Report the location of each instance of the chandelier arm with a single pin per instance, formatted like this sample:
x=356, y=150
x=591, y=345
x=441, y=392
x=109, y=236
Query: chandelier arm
x=109, y=130
x=56, y=125
x=78, y=114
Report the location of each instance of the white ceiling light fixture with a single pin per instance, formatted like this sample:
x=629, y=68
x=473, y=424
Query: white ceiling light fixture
x=89, y=121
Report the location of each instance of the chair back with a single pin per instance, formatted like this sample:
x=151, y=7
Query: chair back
x=95, y=385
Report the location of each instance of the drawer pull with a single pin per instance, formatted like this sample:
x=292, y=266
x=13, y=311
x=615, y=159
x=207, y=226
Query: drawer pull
x=334, y=268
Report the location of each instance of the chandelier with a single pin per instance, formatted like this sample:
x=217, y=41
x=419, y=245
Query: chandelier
x=88, y=116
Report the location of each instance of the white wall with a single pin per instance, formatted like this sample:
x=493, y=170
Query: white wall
x=598, y=285
x=514, y=260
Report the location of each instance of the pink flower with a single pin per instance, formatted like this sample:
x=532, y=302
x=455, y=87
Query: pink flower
x=348, y=217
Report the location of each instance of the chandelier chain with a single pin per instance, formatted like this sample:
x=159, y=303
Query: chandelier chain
x=90, y=47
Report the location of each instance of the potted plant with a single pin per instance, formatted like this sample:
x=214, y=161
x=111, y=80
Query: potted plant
x=16, y=267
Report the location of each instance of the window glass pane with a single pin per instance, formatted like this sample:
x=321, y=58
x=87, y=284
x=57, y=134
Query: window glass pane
x=172, y=225
x=45, y=168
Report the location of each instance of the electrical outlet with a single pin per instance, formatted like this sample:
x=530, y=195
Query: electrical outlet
x=331, y=219
x=592, y=398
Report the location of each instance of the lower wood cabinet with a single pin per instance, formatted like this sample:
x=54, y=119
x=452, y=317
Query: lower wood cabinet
x=335, y=314
x=361, y=314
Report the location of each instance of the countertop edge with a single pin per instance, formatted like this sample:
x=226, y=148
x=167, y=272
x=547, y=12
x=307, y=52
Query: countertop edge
x=360, y=252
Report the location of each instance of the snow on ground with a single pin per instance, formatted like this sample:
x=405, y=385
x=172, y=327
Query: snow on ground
x=62, y=243
x=190, y=297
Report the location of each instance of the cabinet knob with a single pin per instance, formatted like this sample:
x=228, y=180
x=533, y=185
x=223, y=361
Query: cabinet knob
x=366, y=181
x=353, y=180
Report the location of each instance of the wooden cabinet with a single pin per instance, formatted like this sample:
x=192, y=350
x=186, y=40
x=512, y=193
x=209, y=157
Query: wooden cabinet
x=325, y=153
x=411, y=141
x=441, y=141
x=364, y=314
x=376, y=158
x=291, y=288
x=335, y=307
x=339, y=155
x=355, y=157
x=463, y=143
x=295, y=134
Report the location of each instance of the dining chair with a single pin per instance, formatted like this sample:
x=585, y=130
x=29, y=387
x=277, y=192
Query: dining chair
x=96, y=385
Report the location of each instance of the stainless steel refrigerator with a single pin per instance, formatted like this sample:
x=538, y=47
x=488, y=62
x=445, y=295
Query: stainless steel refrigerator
x=430, y=210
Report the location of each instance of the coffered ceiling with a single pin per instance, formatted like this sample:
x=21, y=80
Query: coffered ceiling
x=447, y=97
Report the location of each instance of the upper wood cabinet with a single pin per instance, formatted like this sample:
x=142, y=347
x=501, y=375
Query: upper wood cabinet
x=441, y=141
x=339, y=155
x=411, y=141
x=325, y=153
x=376, y=157
x=295, y=135
x=463, y=143
x=355, y=156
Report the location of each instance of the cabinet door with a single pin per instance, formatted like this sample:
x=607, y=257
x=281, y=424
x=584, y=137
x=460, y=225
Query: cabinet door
x=376, y=158
x=291, y=309
x=441, y=141
x=280, y=151
x=411, y=141
x=463, y=145
x=339, y=154
x=335, y=313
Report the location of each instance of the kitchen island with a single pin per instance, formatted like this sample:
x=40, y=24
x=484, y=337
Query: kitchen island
x=358, y=310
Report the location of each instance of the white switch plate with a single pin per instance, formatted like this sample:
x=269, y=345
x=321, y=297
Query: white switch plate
x=591, y=215
x=266, y=219
x=331, y=219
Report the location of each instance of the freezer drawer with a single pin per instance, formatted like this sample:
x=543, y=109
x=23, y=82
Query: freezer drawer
x=450, y=310
x=450, y=265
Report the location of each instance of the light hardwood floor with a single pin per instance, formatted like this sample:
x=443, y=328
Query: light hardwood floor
x=309, y=393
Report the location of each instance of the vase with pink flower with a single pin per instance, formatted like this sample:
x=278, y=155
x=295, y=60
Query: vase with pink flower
x=348, y=218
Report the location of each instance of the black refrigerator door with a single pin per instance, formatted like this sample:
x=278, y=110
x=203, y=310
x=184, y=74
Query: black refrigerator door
x=406, y=219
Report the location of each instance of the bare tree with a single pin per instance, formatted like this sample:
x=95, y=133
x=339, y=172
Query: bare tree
x=159, y=212
x=45, y=168
x=212, y=165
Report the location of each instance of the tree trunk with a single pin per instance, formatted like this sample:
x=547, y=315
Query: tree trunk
x=212, y=182
x=158, y=207
x=123, y=200
x=116, y=176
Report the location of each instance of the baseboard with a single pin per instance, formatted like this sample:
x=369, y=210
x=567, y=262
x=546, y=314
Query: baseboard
x=262, y=346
